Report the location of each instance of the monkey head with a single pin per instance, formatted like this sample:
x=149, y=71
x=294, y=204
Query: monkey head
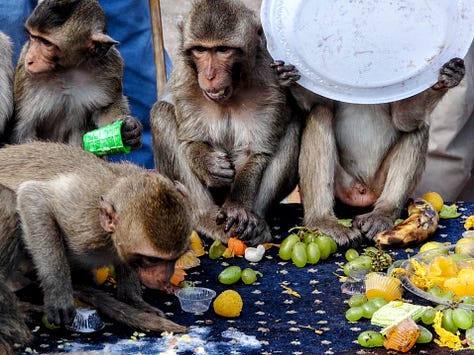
x=65, y=33
x=220, y=40
x=150, y=223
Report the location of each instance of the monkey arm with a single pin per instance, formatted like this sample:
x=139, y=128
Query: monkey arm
x=41, y=236
x=410, y=114
x=212, y=167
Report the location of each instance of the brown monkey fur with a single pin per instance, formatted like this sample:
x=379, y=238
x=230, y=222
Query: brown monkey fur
x=223, y=128
x=6, y=81
x=369, y=156
x=69, y=212
x=68, y=80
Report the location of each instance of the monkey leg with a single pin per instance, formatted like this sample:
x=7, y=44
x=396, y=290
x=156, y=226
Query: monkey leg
x=13, y=329
x=317, y=168
x=403, y=167
x=126, y=314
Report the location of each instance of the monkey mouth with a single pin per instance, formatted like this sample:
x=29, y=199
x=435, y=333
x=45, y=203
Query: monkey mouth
x=218, y=96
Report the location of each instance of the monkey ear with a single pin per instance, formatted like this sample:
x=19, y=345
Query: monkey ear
x=100, y=43
x=107, y=216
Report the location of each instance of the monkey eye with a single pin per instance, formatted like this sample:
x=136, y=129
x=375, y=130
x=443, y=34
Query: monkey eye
x=144, y=261
x=223, y=49
x=200, y=49
x=42, y=40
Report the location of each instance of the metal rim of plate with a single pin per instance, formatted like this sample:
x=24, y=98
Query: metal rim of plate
x=367, y=51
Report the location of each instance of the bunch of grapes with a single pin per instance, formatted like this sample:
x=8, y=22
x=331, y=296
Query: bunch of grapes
x=361, y=307
x=306, y=246
x=373, y=259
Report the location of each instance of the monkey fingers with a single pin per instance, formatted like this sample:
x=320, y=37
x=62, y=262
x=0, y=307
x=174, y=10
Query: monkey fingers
x=343, y=236
x=287, y=74
x=236, y=217
x=372, y=223
x=131, y=132
x=58, y=315
x=450, y=74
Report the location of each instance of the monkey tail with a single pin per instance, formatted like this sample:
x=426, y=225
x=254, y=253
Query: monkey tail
x=124, y=313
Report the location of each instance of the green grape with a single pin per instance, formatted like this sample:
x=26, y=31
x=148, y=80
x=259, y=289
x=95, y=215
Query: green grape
x=333, y=244
x=309, y=237
x=425, y=335
x=462, y=318
x=298, y=254
x=370, y=339
x=248, y=276
x=313, y=253
x=357, y=300
x=351, y=254
x=428, y=315
x=368, y=309
x=230, y=275
x=378, y=302
x=362, y=262
x=47, y=324
x=353, y=314
x=287, y=245
x=324, y=244
x=447, y=321
x=467, y=299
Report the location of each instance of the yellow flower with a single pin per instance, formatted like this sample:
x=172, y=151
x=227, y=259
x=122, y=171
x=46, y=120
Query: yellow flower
x=446, y=338
x=469, y=222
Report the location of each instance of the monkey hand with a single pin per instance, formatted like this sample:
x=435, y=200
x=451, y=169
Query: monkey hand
x=244, y=224
x=450, y=74
x=373, y=222
x=214, y=168
x=287, y=74
x=344, y=237
x=131, y=132
x=59, y=306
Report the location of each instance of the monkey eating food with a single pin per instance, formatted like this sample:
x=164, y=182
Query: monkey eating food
x=68, y=80
x=69, y=212
x=224, y=128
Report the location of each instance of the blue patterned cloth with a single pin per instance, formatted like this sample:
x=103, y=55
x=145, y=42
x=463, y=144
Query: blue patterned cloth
x=272, y=321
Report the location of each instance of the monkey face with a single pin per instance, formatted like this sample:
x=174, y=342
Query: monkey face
x=217, y=70
x=42, y=54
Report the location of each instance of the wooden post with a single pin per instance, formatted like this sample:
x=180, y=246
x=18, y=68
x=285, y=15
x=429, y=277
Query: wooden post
x=158, y=45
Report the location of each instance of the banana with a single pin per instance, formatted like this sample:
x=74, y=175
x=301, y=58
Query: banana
x=421, y=222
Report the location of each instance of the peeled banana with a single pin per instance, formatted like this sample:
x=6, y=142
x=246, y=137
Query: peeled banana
x=421, y=222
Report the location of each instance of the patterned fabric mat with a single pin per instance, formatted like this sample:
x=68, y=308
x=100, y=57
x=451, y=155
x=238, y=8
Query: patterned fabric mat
x=272, y=320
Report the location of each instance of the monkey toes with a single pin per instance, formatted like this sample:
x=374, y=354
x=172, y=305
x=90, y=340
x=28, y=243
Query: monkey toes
x=372, y=223
x=244, y=224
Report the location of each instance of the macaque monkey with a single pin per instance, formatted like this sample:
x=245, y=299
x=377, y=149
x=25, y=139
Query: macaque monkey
x=75, y=212
x=368, y=156
x=68, y=80
x=224, y=128
x=6, y=81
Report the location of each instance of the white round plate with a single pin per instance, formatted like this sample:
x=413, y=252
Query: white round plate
x=368, y=51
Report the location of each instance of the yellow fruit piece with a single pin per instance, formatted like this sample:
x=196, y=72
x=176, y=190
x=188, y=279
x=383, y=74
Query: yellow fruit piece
x=195, y=243
x=228, y=304
x=101, y=275
x=187, y=261
x=435, y=199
